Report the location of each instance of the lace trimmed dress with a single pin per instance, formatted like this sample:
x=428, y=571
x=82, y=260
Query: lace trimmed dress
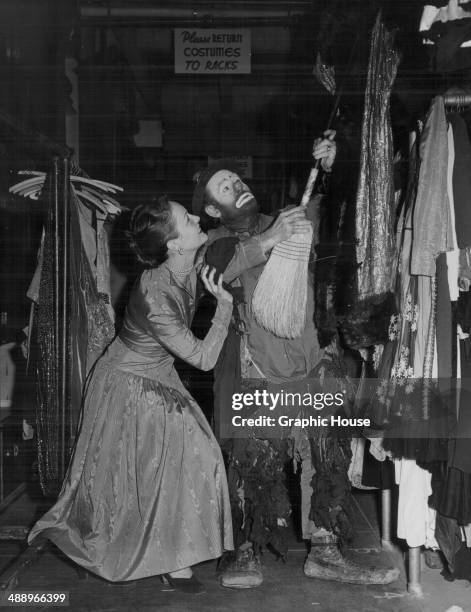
x=146, y=490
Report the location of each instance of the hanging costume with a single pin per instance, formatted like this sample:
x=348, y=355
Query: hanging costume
x=73, y=274
x=90, y=330
x=375, y=205
x=375, y=197
x=420, y=419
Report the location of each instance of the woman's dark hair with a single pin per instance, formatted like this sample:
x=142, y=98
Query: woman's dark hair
x=150, y=228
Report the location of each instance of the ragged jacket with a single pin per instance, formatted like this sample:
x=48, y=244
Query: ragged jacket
x=264, y=355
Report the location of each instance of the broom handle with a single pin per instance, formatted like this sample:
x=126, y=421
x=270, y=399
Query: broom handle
x=311, y=181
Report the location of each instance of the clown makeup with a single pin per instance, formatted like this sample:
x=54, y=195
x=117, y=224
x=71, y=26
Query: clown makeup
x=232, y=198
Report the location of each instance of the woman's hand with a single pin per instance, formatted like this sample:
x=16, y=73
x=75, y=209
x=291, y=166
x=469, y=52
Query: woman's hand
x=215, y=289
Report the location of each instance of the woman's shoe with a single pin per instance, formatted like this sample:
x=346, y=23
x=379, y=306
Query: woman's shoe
x=185, y=585
x=166, y=586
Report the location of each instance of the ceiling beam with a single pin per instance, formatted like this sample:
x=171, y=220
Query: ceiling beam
x=132, y=14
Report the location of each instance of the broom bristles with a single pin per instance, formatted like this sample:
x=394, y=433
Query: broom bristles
x=280, y=297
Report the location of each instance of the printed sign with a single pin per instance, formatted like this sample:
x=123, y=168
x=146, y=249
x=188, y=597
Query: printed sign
x=210, y=51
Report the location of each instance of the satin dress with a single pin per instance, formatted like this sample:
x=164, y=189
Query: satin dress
x=146, y=490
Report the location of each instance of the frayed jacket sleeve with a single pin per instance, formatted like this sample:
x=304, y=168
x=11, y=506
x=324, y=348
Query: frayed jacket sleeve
x=248, y=254
x=245, y=254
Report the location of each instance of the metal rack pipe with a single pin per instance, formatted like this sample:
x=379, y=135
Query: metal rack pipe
x=457, y=99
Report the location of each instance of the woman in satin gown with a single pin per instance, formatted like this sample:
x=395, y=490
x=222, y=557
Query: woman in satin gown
x=146, y=493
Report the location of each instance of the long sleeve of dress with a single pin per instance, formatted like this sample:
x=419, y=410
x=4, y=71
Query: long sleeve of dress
x=167, y=325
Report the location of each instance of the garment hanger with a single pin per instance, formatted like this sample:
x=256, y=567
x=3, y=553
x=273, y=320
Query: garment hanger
x=90, y=191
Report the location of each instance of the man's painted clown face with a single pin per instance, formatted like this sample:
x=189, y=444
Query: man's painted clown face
x=233, y=201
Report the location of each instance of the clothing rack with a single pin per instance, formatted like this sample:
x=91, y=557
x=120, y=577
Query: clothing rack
x=59, y=187
x=60, y=160
x=59, y=156
x=414, y=587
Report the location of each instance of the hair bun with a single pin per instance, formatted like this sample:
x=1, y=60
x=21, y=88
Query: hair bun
x=150, y=227
x=133, y=245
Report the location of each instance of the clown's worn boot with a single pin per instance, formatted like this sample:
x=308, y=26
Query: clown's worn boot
x=243, y=570
x=326, y=562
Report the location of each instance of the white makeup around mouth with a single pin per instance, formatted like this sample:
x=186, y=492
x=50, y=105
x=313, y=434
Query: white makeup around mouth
x=244, y=198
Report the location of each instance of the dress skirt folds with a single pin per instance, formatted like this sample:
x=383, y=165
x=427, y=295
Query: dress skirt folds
x=146, y=490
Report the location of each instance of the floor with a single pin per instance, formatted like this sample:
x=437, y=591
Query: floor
x=285, y=588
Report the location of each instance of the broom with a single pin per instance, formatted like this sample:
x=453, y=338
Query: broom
x=280, y=297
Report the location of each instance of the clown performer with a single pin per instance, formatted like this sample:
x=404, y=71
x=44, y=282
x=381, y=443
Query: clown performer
x=239, y=247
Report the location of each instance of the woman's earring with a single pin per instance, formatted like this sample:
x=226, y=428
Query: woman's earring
x=180, y=250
